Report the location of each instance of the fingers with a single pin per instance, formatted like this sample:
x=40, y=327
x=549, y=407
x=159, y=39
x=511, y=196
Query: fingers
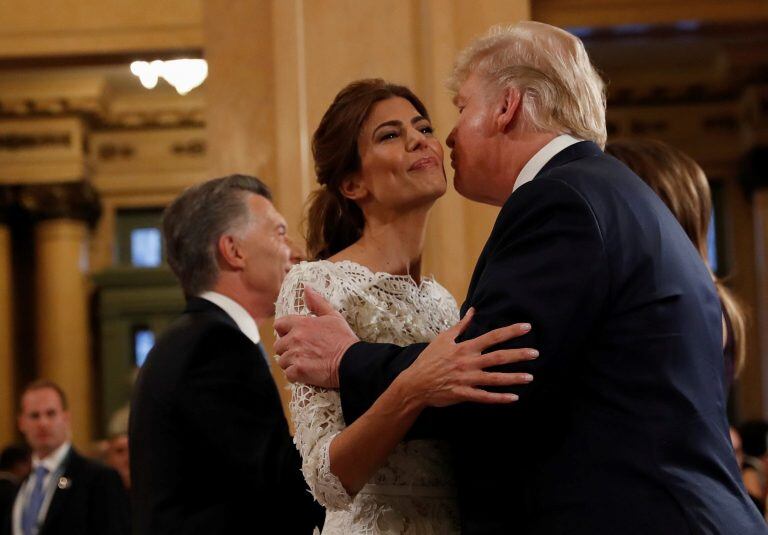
x=462, y=325
x=501, y=379
x=482, y=396
x=505, y=356
x=284, y=361
x=285, y=324
x=497, y=336
x=316, y=303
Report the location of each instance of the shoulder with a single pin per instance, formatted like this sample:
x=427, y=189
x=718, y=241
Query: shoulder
x=335, y=281
x=310, y=272
x=196, y=328
x=79, y=466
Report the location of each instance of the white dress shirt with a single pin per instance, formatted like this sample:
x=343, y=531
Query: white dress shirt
x=235, y=310
x=541, y=158
x=55, y=465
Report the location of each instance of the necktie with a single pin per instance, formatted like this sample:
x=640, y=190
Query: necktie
x=34, y=502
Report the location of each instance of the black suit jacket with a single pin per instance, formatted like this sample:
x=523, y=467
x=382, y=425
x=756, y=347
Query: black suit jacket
x=8, y=490
x=90, y=500
x=623, y=430
x=210, y=447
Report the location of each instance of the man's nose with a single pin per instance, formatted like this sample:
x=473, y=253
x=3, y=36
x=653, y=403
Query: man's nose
x=295, y=252
x=449, y=140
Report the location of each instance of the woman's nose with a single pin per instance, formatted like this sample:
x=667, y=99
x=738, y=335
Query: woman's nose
x=415, y=140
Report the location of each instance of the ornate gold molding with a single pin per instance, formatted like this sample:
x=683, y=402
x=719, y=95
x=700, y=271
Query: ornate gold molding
x=68, y=200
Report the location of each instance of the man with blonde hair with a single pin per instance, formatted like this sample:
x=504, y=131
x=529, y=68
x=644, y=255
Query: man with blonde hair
x=623, y=431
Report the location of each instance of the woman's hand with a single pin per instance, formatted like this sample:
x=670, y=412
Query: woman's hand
x=447, y=373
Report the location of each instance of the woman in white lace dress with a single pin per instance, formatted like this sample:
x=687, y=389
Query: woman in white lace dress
x=380, y=170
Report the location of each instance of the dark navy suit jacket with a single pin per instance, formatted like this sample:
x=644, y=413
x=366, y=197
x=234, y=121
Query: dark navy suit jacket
x=90, y=501
x=623, y=430
x=210, y=447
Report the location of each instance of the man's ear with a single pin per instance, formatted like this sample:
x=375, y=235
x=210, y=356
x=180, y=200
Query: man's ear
x=230, y=252
x=509, y=106
x=353, y=187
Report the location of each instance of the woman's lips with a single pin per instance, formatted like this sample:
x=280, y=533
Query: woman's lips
x=424, y=163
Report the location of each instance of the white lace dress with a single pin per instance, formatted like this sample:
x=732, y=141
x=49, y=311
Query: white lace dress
x=414, y=492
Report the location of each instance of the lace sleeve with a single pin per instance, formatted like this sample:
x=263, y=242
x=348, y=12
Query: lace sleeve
x=316, y=412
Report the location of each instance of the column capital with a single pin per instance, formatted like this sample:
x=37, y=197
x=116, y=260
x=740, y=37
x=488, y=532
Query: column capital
x=65, y=200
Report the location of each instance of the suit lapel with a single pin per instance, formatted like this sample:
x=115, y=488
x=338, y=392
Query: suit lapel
x=576, y=151
x=68, y=479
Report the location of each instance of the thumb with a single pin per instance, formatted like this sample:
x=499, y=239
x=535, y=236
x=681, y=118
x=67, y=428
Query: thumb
x=316, y=303
x=462, y=325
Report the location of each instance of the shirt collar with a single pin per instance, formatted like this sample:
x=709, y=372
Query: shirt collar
x=235, y=310
x=540, y=159
x=54, y=460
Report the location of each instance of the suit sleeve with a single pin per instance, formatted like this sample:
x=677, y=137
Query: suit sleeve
x=545, y=264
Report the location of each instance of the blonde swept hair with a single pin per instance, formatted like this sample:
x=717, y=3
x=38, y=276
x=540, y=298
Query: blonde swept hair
x=561, y=90
x=681, y=183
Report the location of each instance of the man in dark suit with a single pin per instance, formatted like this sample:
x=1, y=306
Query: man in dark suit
x=623, y=430
x=209, y=444
x=15, y=464
x=66, y=494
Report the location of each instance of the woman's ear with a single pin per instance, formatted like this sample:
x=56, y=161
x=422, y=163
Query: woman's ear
x=353, y=187
x=509, y=108
x=230, y=253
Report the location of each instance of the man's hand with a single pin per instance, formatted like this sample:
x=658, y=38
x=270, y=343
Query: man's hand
x=310, y=348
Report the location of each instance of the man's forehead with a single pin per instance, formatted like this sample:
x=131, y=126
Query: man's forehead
x=468, y=87
x=263, y=208
x=41, y=398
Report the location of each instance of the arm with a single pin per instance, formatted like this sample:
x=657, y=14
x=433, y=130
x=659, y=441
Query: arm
x=339, y=461
x=544, y=263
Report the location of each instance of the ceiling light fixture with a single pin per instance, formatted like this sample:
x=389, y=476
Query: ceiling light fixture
x=183, y=74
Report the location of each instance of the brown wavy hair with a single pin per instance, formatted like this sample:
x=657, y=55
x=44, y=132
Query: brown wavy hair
x=683, y=186
x=334, y=222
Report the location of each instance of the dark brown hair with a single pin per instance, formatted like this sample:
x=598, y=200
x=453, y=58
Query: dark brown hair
x=42, y=384
x=683, y=186
x=334, y=222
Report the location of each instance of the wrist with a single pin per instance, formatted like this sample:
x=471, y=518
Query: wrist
x=410, y=398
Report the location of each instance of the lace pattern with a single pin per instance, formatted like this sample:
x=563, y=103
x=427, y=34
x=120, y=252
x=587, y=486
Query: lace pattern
x=411, y=492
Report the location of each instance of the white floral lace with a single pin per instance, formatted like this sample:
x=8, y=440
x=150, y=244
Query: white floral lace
x=413, y=493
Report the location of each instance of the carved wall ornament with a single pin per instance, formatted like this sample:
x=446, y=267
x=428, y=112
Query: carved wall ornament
x=14, y=141
x=70, y=200
x=114, y=151
x=193, y=147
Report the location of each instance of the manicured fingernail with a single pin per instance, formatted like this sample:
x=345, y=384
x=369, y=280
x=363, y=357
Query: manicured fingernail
x=525, y=327
x=513, y=397
x=527, y=377
x=532, y=353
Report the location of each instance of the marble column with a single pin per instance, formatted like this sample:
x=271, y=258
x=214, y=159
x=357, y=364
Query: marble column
x=64, y=354
x=7, y=366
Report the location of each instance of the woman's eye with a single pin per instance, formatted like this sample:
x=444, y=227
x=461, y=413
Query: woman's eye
x=388, y=135
x=426, y=130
